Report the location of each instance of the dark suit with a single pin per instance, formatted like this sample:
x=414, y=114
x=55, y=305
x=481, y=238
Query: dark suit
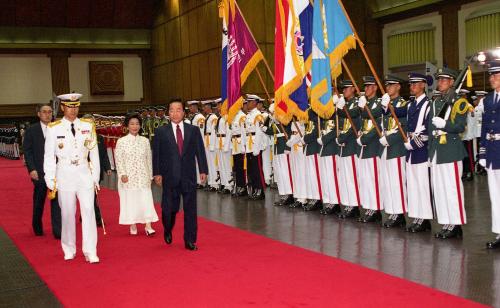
x=34, y=148
x=105, y=166
x=179, y=175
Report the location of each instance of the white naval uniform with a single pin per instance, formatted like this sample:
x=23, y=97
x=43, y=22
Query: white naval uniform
x=223, y=151
x=199, y=121
x=298, y=163
x=75, y=177
x=209, y=139
x=267, y=154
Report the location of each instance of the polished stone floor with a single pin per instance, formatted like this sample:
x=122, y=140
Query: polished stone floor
x=460, y=266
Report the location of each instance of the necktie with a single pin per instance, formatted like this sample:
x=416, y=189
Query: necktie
x=180, y=141
x=73, y=129
x=496, y=98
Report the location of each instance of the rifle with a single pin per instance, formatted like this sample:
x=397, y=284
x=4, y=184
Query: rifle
x=457, y=85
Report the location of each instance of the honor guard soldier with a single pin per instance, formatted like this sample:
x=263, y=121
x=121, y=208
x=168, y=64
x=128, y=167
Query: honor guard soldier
x=254, y=145
x=267, y=154
x=223, y=151
x=198, y=120
x=152, y=123
x=446, y=152
x=478, y=114
x=369, y=160
x=281, y=161
x=489, y=152
x=347, y=106
x=328, y=164
x=238, y=140
x=312, y=149
x=209, y=137
x=298, y=164
x=164, y=120
x=392, y=157
x=71, y=166
x=468, y=137
x=417, y=167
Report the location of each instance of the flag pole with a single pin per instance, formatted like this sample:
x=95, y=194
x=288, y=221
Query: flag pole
x=255, y=41
x=372, y=69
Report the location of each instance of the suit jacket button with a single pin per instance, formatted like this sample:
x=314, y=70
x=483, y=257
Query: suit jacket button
x=492, y=121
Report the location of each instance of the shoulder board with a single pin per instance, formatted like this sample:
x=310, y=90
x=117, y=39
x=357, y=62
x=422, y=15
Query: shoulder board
x=258, y=118
x=87, y=121
x=52, y=124
x=243, y=119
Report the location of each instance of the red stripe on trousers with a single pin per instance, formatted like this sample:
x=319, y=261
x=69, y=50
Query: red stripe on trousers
x=377, y=195
x=289, y=171
x=335, y=177
x=457, y=182
x=262, y=181
x=401, y=188
x=355, y=179
x=317, y=176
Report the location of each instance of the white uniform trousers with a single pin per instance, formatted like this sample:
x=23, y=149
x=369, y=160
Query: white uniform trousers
x=328, y=172
x=282, y=174
x=212, y=168
x=494, y=186
x=348, y=179
x=393, y=184
x=267, y=168
x=369, y=183
x=312, y=177
x=224, y=162
x=298, y=164
x=419, y=191
x=67, y=202
x=448, y=192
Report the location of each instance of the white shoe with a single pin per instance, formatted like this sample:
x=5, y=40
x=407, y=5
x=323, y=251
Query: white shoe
x=133, y=231
x=69, y=256
x=150, y=231
x=92, y=259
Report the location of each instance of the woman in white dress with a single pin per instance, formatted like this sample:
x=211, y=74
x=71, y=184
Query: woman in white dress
x=134, y=169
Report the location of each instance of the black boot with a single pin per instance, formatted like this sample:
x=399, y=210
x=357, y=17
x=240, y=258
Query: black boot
x=454, y=231
x=349, y=212
x=440, y=233
x=312, y=205
x=493, y=244
x=396, y=220
x=422, y=226
x=373, y=216
x=258, y=195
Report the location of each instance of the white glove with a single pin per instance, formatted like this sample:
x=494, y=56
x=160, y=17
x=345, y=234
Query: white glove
x=408, y=146
x=482, y=162
x=386, y=99
x=264, y=129
x=337, y=141
x=359, y=141
x=50, y=185
x=335, y=99
x=319, y=141
x=292, y=140
x=341, y=103
x=362, y=102
x=256, y=153
x=383, y=141
x=287, y=152
x=439, y=122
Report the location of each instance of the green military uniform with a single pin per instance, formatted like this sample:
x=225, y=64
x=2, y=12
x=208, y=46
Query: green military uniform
x=369, y=138
x=347, y=136
x=312, y=150
x=448, y=114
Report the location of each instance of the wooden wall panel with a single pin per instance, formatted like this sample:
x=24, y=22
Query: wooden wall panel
x=127, y=13
x=60, y=73
x=7, y=15
x=53, y=14
x=204, y=73
x=214, y=71
x=101, y=14
x=81, y=19
x=176, y=38
x=213, y=27
x=193, y=36
x=185, y=36
x=27, y=13
x=161, y=44
x=195, y=82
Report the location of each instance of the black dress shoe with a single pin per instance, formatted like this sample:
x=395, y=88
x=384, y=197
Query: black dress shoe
x=225, y=191
x=454, y=232
x=280, y=202
x=259, y=195
x=469, y=176
x=296, y=204
x=330, y=210
x=374, y=216
x=190, y=246
x=422, y=227
x=493, y=244
x=312, y=205
x=440, y=233
x=288, y=200
x=168, y=237
x=212, y=189
x=396, y=221
x=349, y=212
x=241, y=192
x=57, y=236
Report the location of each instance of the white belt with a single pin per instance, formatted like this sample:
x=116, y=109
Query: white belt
x=280, y=135
x=438, y=133
x=421, y=137
x=74, y=162
x=494, y=137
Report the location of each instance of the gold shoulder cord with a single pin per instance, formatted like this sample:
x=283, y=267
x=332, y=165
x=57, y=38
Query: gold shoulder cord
x=90, y=144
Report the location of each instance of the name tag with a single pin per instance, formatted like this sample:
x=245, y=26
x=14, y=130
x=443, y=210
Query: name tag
x=61, y=137
x=85, y=131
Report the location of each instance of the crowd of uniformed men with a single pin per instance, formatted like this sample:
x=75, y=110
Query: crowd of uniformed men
x=357, y=164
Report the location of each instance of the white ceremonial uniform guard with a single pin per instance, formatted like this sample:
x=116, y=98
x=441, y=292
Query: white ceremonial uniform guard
x=298, y=164
x=267, y=154
x=197, y=120
x=209, y=138
x=223, y=151
x=73, y=141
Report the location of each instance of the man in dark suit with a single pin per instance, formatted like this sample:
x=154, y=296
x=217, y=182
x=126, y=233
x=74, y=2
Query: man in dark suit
x=34, y=143
x=176, y=149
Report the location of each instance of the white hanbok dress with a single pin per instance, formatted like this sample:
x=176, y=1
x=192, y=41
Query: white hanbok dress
x=133, y=159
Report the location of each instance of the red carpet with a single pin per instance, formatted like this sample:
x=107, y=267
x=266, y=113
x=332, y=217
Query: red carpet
x=233, y=268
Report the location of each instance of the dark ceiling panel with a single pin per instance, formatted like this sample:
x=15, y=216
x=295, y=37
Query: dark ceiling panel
x=101, y=13
x=28, y=13
x=81, y=19
x=144, y=13
x=7, y=12
x=124, y=14
x=53, y=13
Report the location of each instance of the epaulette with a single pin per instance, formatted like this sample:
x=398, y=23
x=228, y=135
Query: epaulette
x=258, y=118
x=52, y=124
x=87, y=121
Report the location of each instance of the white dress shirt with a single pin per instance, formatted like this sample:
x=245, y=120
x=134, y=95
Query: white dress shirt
x=44, y=129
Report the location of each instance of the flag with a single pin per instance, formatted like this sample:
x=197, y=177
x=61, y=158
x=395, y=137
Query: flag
x=294, y=23
x=243, y=55
x=223, y=13
x=332, y=39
